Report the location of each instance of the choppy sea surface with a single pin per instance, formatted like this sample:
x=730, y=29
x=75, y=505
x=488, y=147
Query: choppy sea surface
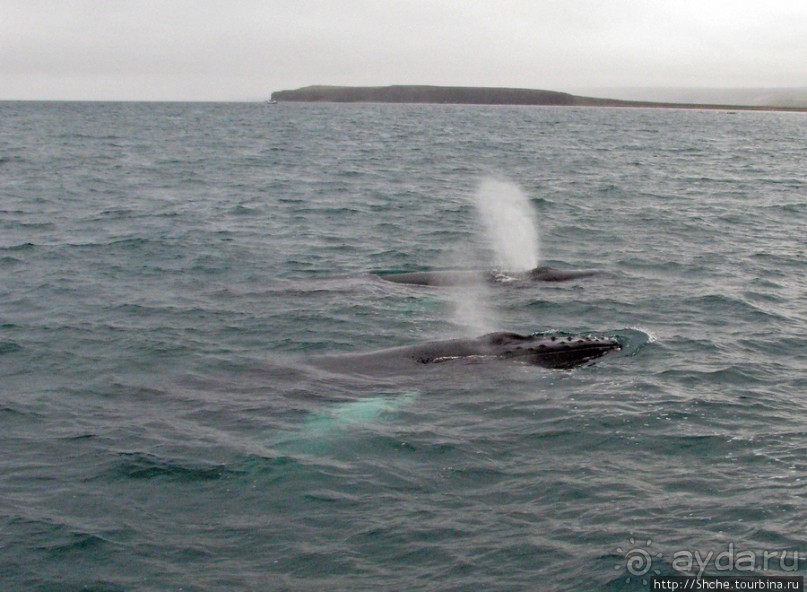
x=170, y=274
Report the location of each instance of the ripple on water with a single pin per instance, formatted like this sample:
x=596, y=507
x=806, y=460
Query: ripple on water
x=171, y=266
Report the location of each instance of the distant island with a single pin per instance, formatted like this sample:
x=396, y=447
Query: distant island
x=472, y=95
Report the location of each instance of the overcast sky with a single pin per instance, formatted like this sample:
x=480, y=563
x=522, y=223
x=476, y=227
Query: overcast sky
x=245, y=49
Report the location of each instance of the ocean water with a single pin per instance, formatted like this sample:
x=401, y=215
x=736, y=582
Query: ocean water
x=171, y=274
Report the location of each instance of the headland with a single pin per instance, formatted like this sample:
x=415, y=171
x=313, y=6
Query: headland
x=472, y=95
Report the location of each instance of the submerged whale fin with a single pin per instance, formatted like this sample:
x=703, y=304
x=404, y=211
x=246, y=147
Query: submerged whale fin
x=321, y=430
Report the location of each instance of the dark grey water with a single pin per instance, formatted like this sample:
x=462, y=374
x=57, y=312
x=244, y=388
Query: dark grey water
x=170, y=272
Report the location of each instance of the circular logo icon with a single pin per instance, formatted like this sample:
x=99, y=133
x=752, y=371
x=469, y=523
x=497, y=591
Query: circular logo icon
x=638, y=560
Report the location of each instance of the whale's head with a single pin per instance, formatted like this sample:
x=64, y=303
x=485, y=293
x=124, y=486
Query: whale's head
x=550, y=351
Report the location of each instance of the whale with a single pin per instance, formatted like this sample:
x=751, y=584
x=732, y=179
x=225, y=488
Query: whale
x=548, y=351
x=472, y=277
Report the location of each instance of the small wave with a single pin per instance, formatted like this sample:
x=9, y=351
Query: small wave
x=634, y=339
x=9, y=347
x=58, y=536
x=75, y=541
x=788, y=208
x=115, y=213
x=651, y=335
x=720, y=304
x=31, y=225
x=79, y=437
x=10, y=159
x=124, y=242
x=735, y=374
x=332, y=497
x=241, y=210
x=141, y=465
x=13, y=412
x=20, y=247
x=9, y=261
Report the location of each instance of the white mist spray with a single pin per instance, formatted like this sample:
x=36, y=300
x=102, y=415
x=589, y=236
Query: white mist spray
x=511, y=234
x=472, y=311
x=509, y=223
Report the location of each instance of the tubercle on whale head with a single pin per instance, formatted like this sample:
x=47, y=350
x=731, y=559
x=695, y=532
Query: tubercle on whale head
x=505, y=337
x=562, y=352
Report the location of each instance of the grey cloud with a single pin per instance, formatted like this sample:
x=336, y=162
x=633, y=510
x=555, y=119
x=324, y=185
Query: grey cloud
x=217, y=50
